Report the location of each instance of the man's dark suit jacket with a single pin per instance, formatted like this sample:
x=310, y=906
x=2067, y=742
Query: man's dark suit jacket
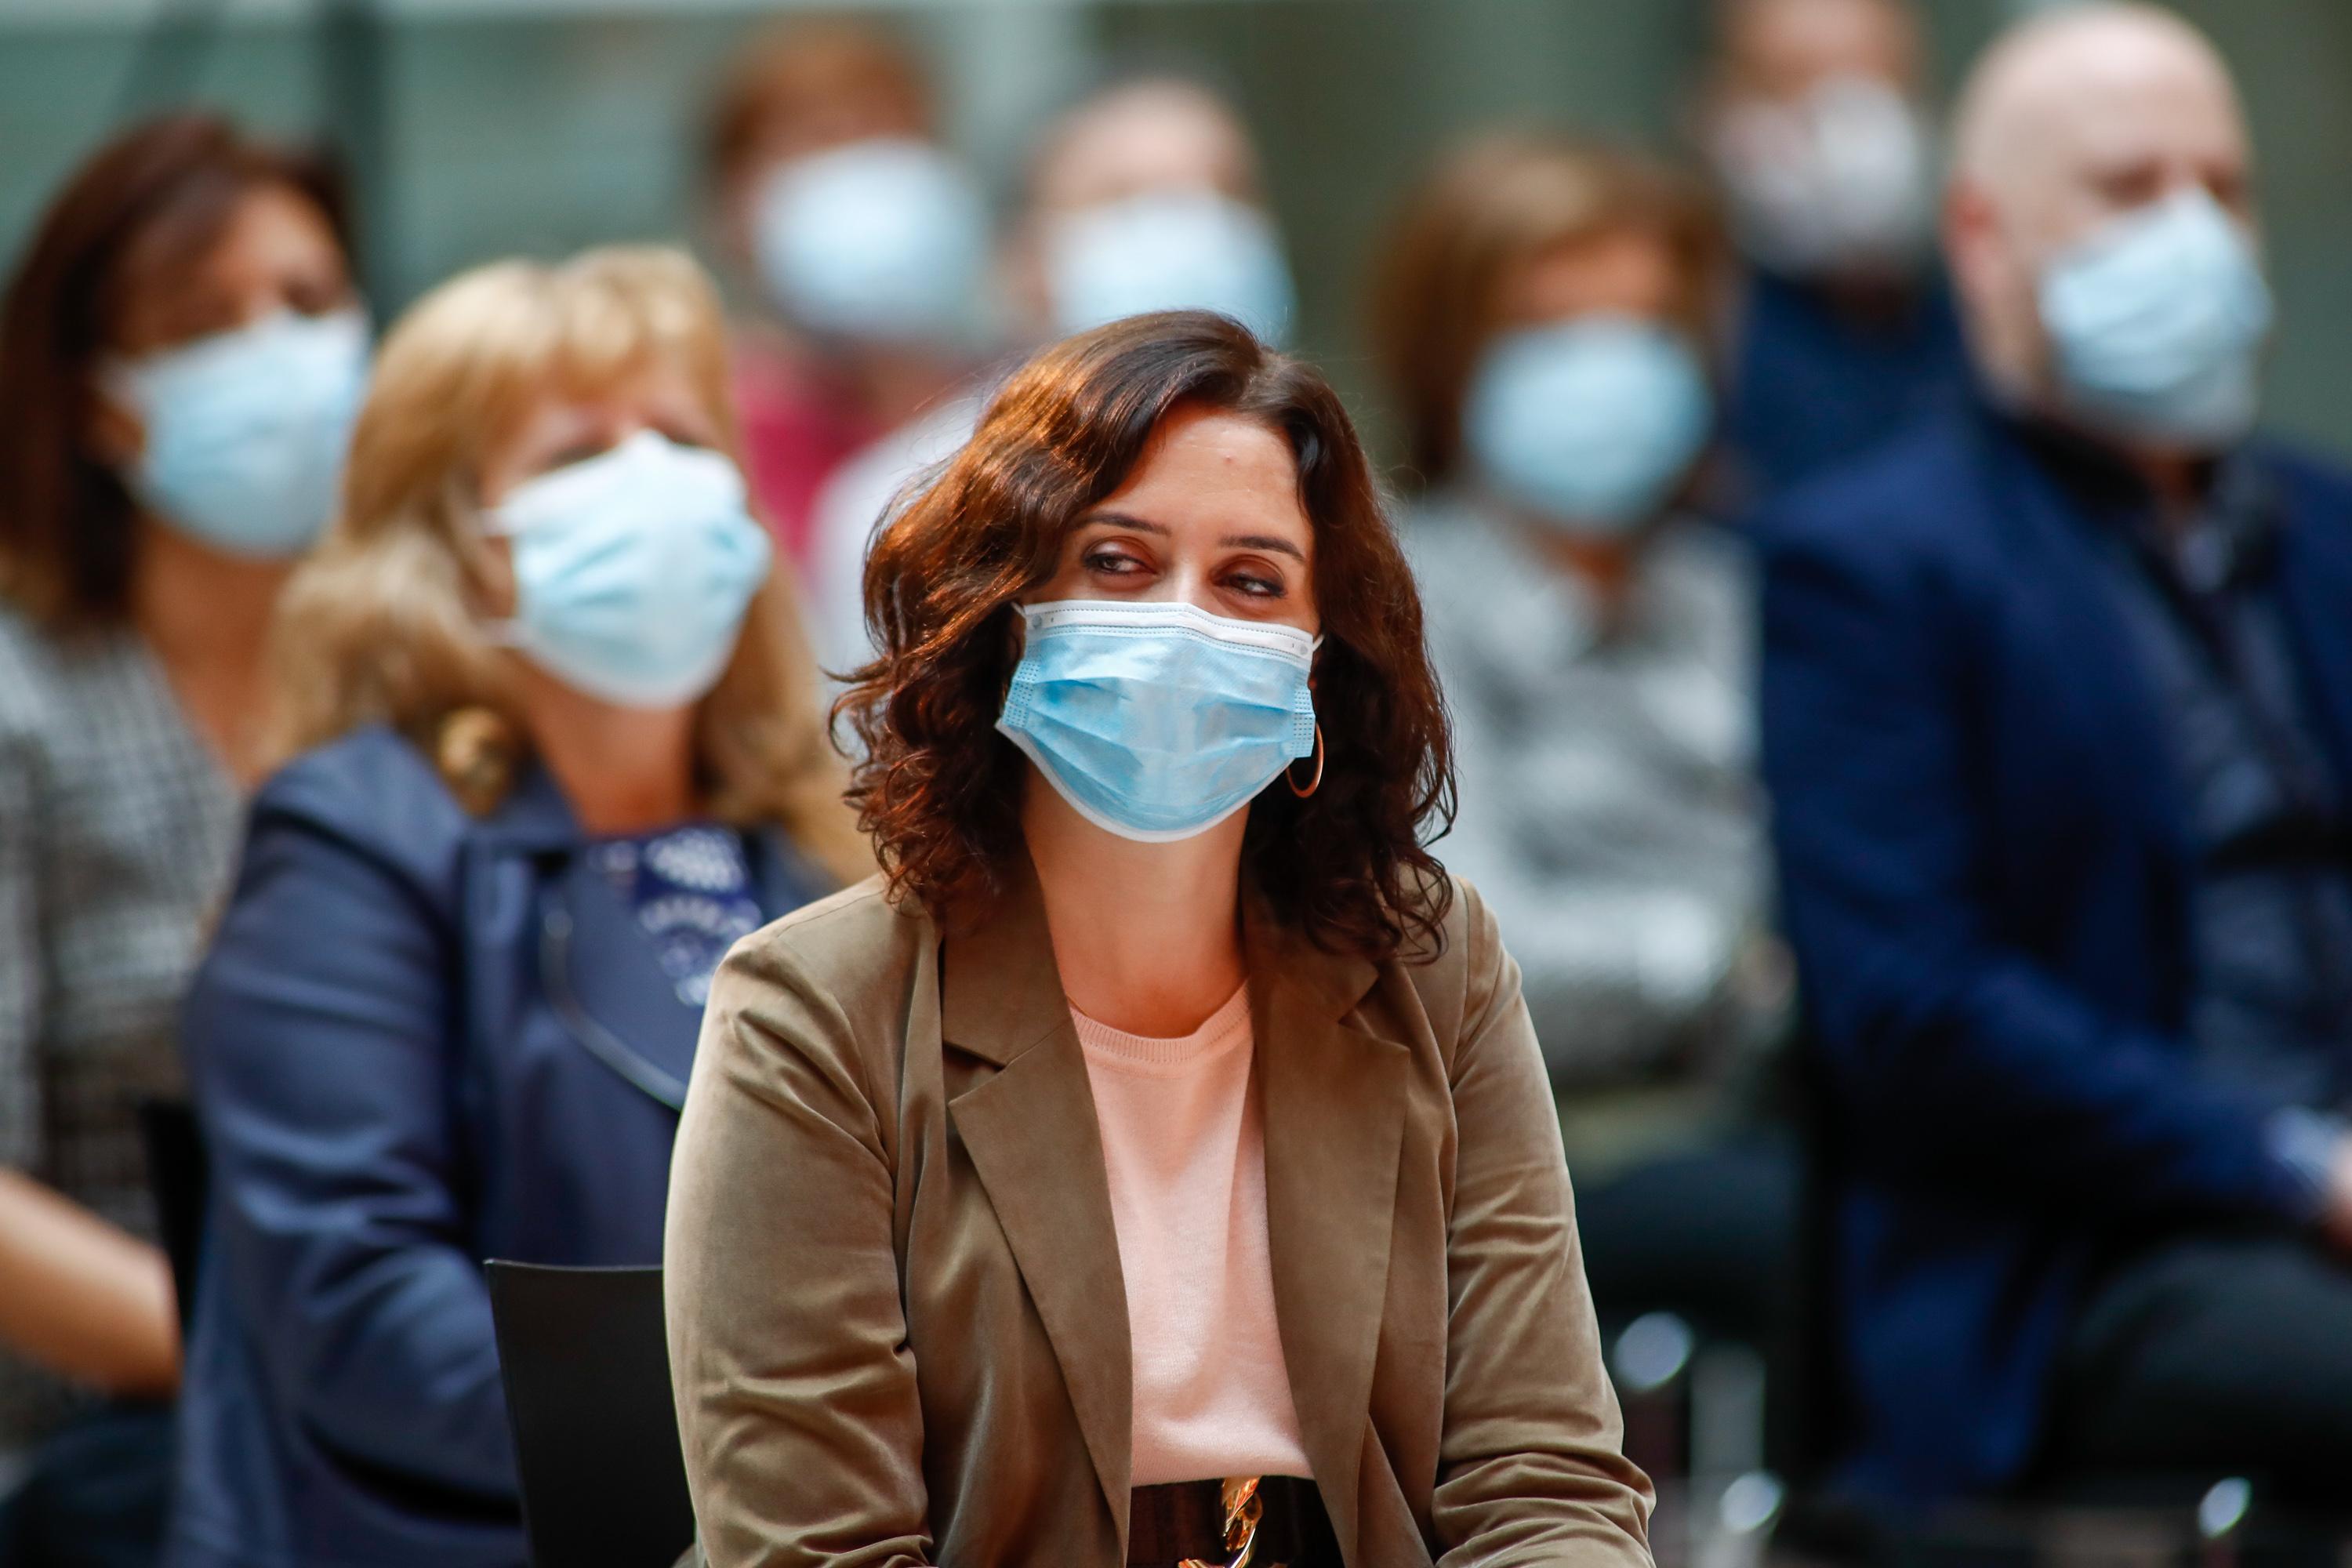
x=1987, y=868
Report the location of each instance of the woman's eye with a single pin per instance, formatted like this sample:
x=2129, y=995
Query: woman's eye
x=1258, y=585
x=1113, y=562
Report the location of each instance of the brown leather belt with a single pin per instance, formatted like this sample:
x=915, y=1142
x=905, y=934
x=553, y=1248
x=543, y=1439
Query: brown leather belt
x=1187, y=1521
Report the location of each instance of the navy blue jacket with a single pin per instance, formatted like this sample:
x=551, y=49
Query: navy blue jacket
x=1985, y=867
x=421, y=1041
x=1813, y=390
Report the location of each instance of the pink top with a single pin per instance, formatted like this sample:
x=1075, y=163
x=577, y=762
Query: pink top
x=1184, y=1146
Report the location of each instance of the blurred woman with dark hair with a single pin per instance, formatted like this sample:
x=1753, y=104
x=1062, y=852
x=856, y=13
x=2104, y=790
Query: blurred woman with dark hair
x=181, y=350
x=1157, y=1157
x=1548, y=314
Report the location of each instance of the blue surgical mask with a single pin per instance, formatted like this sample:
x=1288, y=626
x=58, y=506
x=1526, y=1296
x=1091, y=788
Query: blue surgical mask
x=1169, y=250
x=2155, y=324
x=244, y=431
x=1157, y=722
x=633, y=570
x=1842, y=180
x=1588, y=424
x=884, y=241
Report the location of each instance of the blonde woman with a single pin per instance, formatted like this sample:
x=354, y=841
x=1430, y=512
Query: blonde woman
x=559, y=746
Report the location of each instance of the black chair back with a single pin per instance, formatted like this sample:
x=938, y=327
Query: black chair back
x=179, y=1181
x=586, y=1366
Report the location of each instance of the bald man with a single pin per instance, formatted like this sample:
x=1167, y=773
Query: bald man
x=1812, y=115
x=2058, y=724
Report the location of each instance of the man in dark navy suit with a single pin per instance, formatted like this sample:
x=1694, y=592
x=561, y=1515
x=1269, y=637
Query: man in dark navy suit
x=2058, y=710
x=1812, y=114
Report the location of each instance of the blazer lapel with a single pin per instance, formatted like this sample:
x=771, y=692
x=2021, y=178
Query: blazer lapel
x=2059, y=572
x=599, y=974
x=1334, y=1099
x=1031, y=1131
x=2314, y=576
x=604, y=982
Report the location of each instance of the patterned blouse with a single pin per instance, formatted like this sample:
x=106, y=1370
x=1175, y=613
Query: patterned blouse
x=118, y=830
x=692, y=888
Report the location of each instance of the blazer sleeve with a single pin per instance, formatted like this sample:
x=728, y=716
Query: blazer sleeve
x=1960, y=1048
x=797, y=1396
x=318, y=1042
x=1530, y=1462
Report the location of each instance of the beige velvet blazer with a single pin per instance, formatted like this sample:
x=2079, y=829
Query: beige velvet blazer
x=897, y=1326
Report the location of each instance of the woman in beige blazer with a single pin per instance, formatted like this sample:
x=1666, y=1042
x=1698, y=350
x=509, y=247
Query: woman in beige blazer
x=1155, y=1165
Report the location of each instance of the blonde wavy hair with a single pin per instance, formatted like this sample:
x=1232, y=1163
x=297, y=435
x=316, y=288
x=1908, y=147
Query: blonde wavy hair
x=388, y=621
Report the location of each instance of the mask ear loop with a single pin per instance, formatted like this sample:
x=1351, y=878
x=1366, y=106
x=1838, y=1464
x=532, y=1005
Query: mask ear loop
x=1315, y=782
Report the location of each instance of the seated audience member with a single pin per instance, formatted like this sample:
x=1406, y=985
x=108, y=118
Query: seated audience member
x=180, y=352
x=1145, y=196
x=2058, y=710
x=1811, y=115
x=1544, y=320
x=1165, y=1132
x=561, y=748
x=867, y=244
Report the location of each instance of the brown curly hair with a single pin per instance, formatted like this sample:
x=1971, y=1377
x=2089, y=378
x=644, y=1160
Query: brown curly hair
x=940, y=790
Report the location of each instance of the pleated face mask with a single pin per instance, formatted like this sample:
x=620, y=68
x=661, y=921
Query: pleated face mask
x=1157, y=722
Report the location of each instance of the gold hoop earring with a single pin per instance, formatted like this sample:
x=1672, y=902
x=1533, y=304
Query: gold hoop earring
x=1317, y=782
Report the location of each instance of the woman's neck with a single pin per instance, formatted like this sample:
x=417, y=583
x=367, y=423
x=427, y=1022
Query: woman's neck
x=205, y=616
x=1146, y=936
x=624, y=770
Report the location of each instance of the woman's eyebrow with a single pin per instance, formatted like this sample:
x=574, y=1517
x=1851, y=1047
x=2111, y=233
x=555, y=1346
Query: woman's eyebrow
x=1122, y=519
x=1266, y=541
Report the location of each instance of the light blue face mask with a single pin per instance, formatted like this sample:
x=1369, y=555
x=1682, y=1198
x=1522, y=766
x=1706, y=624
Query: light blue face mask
x=1157, y=722
x=884, y=241
x=1588, y=424
x=244, y=431
x=633, y=570
x=2155, y=324
x=1169, y=250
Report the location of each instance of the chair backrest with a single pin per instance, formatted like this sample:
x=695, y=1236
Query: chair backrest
x=586, y=1368
x=179, y=1180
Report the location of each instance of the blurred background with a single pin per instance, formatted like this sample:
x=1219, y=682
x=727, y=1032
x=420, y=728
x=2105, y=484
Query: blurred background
x=483, y=127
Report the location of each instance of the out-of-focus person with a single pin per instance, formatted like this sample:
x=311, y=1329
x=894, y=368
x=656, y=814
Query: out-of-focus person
x=1144, y=195
x=2058, y=724
x=181, y=351
x=864, y=240
x=1148, y=196
x=1159, y=1158
x=559, y=746
x=1546, y=316
x=1812, y=114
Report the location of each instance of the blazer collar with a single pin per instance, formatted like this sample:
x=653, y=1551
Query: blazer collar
x=1001, y=994
x=1334, y=1101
